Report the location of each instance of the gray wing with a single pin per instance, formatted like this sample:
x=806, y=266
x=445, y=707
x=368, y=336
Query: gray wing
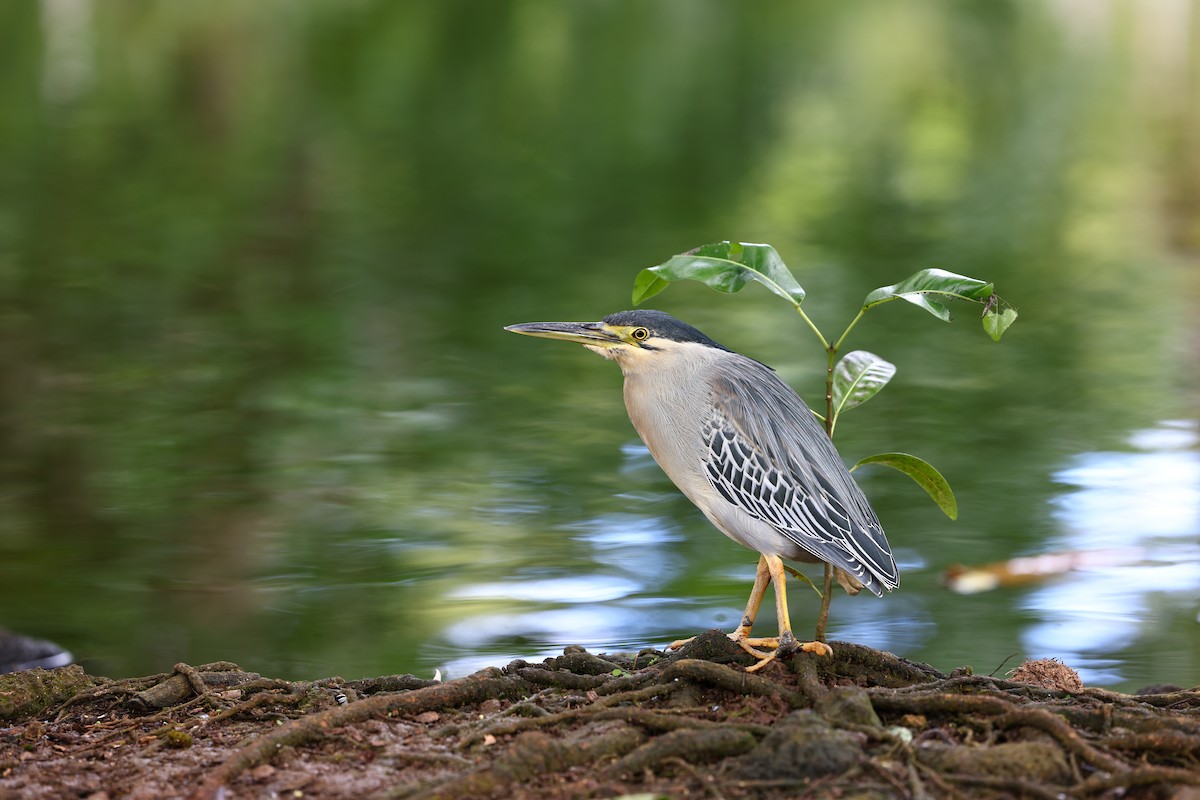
x=766, y=454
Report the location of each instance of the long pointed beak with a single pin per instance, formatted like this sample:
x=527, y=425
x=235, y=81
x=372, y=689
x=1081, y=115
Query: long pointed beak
x=593, y=333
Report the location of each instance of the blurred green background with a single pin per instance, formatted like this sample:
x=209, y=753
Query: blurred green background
x=255, y=258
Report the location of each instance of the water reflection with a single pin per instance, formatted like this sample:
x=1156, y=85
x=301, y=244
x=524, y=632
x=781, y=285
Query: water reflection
x=1128, y=520
x=1145, y=505
x=614, y=605
x=637, y=545
x=626, y=624
x=592, y=588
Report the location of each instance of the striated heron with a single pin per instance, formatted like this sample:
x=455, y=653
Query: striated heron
x=742, y=446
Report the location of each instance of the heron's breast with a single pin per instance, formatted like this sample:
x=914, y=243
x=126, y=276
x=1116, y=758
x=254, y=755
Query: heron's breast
x=670, y=420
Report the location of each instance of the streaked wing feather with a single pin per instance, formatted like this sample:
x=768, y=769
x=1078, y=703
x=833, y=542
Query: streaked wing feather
x=781, y=468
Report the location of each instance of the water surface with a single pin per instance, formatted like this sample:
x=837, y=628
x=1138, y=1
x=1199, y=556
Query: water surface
x=256, y=402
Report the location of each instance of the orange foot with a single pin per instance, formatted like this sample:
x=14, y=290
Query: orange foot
x=766, y=649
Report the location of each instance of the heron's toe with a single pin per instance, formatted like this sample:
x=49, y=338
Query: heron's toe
x=752, y=646
x=820, y=648
x=763, y=658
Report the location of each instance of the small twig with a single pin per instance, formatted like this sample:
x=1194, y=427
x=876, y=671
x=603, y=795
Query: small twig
x=936, y=777
x=638, y=695
x=706, y=781
x=1139, y=776
x=918, y=791
x=122, y=687
x=256, y=700
x=1014, y=786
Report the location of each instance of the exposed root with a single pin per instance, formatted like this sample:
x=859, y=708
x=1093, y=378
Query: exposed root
x=582, y=725
x=732, y=680
x=532, y=754
x=187, y=682
x=1139, y=776
x=694, y=746
x=1070, y=741
x=475, y=688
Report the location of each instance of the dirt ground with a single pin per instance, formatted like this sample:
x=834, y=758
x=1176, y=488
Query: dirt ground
x=858, y=724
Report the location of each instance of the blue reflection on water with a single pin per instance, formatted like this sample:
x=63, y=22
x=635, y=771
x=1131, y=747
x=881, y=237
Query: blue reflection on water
x=633, y=544
x=605, y=610
x=1136, y=513
x=619, y=626
x=572, y=589
x=1145, y=506
x=901, y=625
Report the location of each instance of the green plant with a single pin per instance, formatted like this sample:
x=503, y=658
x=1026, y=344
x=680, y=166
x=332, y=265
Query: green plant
x=859, y=375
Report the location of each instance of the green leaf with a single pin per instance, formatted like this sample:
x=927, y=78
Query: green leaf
x=917, y=287
x=996, y=321
x=857, y=378
x=800, y=576
x=726, y=267
x=646, y=285
x=939, y=310
x=923, y=473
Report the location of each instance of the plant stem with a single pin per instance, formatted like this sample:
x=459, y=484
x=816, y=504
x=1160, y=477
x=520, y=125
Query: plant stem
x=826, y=596
x=849, y=328
x=830, y=422
x=815, y=329
x=831, y=350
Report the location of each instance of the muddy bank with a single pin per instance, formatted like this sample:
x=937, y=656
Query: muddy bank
x=862, y=723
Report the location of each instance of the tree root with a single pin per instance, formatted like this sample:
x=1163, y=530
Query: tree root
x=1070, y=741
x=1014, y=787
x=187, y=682
x=694, y=746
x=475, y=688
x=389, y=683
x=877, y=667
x=739, y=682
x=582, y=725
x=652, y=721
x=533, y=754
x=608, y=730
x=1140, y=776
x=561, y=680
x=1162, y=741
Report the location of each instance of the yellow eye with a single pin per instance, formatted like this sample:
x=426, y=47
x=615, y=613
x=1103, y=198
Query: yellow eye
x=640, y=334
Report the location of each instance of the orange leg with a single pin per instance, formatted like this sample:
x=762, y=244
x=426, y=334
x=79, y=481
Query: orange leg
x=762, y=576
x=770, y=569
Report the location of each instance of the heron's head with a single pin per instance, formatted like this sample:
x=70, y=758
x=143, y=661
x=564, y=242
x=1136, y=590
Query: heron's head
x=631, y=338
